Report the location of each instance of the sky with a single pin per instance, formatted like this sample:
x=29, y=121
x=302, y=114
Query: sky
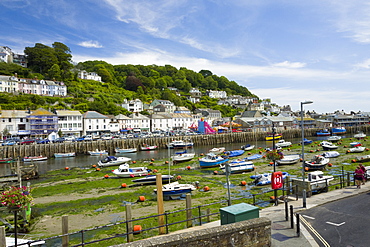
x=285, y=50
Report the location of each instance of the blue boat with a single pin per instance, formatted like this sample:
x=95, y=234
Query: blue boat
x=175, y=189
x=212, y=160
x=264, y=179
x=253, y=157
x=306, y=141
x=324, y=132
x=234, y=153
x=239, y=166
x=152, y=179
x=338, y=131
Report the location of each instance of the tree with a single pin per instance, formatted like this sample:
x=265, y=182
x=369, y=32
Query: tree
x=205, y=73
x=40, y=58
x=54, y=72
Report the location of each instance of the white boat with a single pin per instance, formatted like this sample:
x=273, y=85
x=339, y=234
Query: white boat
x=182, y=156
x=113, y=160
x=64, y=155
x=328, y=145
x=217, y=150
x=98, y=152
x=147, y=147
x=176, y=189
x=283, y=144
x=152, y=179
x=125, y=150
x=334, y=138
x=180, y=144
x=355, y=144
x=289, y=159
x=212, y=160
x=34, y=158
x=360, y=135
x=317, y=162
x=125, y=171
x=239, y=166
x=318, y=180
x=365, y=158
x=358, y=149
x=247, y=147
x=265, y=178
x=331, y=154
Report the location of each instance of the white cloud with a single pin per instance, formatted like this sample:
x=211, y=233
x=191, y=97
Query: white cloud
x=287, y=64
x=90, y=44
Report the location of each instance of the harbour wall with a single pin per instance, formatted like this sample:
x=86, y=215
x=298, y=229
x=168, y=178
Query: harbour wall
x=110, y=145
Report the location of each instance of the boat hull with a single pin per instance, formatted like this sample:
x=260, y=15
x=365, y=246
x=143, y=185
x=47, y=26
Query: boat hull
x=64, y=155
x=125, y=150
x=152, y=179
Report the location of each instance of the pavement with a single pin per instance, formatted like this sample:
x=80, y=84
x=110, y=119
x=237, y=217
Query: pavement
x=282, y=235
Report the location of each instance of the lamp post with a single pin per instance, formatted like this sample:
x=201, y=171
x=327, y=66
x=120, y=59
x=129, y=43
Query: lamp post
x=303, y=162
x=273, y=149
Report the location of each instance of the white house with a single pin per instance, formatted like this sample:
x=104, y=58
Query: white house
x=95, y=123
x=8, y=84
x=89, y=75
x=135, y=105
x=180, y=121
x=170, y=107
x=15, y=122
x=70, y=122
x=216, y=94
x=161, y=122
x=139, y=122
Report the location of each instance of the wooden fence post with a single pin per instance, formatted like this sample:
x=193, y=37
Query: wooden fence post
x=130, y=237
x=2, y=236
x=160, y=204
x=65, y=239
x=189, y=223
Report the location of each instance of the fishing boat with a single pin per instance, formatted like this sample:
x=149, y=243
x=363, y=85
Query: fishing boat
x=318, y=181
x=289, y=159
x=234, y=153
x=265, y=178
x=318, y=162
x=34, y=158
x=98, y=152
x=323, y=132
x=176, y=189
x=239, y=166
x=125, y=150
x=334, y=138
x=271, y=137
x=283, y=144
x=113, y=160
x=306, y=141
x=357, y=149
x=328, y=145
x=147, y=147
x=254, y=157
x=125, y=171
x=152, y=179
x=338, y=131
x=247, y=147
x=212, y=160
x=182, y=156
x=64, y=155
x=360, y=135
x=180, y=144
x=217, y=150
x=331, y=154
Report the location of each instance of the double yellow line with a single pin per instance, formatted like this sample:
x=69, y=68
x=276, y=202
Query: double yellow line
x=314, y=232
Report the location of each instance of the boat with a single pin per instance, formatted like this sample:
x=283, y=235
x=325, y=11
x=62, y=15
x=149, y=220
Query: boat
x=212, y=160
x=152, y=179
x=183, y=156
x=265, y=178
x=317, y=162
x=365, y=158
x=323, y=132
x=357, y=149
x=148, y=147
x=271, y=137
x=334, y=138
x=360, y=135
x=98, y=152
x=34, y=158
x=254, y=157
x=306, y=141
x=180, y=144
x=331, y=154
x=318, y=181
x=283, y=144
x=6, y=160
x=176, y=189
x=125, y=171
x=338, y=131
x=328, y=145
x=247, y=147
x=217, y=150
x=239, y=166
x=64, y=155
x=234, y=153
x=125, y=150
x=289, y=159
x=113, y=160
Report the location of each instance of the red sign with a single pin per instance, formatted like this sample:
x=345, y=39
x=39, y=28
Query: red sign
x=276, y=180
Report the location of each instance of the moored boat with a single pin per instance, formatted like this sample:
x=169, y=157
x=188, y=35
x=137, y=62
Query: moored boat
x=271, y=137
x=64, y=155
x=283, y=144
x=180, y=144
x=113, y=160
x=125, y=150
x=331, y=154
x=254, y=157
x=125, y=171
x=265, y=178
x=247, y=147
x=212, y=160
x=234, y=153
x=357, y=149
x=289, y=159
x=318, y=162
x=217, y=150
x=183, y=156
x=323, y=132
x=152, y=179
x=98, y=152
x=360, y=135
x=338, y=131
x=6, y=160
x=365, y=158
x=306, y=141
x=239, y=166
x=146, y=147
x=334, y=138
x=328, y=145
x=176, y=189
x=34, y=158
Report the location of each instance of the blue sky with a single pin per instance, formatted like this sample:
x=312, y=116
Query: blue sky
x=288, y=51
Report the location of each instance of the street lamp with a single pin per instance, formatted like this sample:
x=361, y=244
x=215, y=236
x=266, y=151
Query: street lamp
x=303, y=162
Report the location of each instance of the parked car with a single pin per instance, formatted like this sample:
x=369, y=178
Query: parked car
x=27, y=142
x=88, y=138
x=59, y=140
x=106, y=137
x=43, y=141
x=69, y=138
x=9, y=143
x=80, y=139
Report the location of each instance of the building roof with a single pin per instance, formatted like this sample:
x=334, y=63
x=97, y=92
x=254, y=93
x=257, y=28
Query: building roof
x=94, y=115
x=42, y=112
x=14, y=113
x=68, y=113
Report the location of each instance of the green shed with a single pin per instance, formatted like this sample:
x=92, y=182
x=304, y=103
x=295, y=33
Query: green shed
x=238, y=212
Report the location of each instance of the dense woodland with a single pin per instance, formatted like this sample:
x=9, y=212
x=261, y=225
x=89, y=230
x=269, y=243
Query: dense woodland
x=120, y=82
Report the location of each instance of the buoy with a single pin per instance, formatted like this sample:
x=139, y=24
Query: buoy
x=106, y=176
x=201, y=154
x=124, y=185
x=288, y=149
x=137, y=229
x=167, y=162
x=306, y=168
x=330, y=164
x=215, y=172
x=94, y=166
x=317, y=149
x=367, y=149
x=348, y=151
x=260, y=151
x=300, y=159
x=311, y=151
x=67, y=168
x=243, y=183
x=345, y=146
x=134, y=162
x=249, y=153
x=141, y=199
x=151, y=163
x=271, y=163
x=353, y=161
x=97, y=169
x=152, y=159
x=155, y=170
x=259, y=147
x=188, y=167
x=178, y=177
x=206, y=188
x=264, y=156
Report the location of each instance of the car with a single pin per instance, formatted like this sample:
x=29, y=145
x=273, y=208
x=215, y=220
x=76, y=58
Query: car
x=80, y=139
x=59, y=140
x=69, y=138
x=106, y=137
x=9, y=143
x=43, y=141
x=27, y=142
x=88, y=138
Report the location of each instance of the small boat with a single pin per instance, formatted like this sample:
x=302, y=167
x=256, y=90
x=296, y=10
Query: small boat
x=289, y=159
x=365, y=158
x=98, y=152
x=355, y=144
x=360, y=135
x=338, y=131
x=271, y=137
x=6, y=160
x=324, y=132
x=180, y=144
x=34, y=158
x=265, y=178
x=357, y=149
x=147, y=147
x=318, y=180
x=113, y=160
x=239, y=166
x=306, y=141
x=328, y=145
x=334, y=138
x=176, y=189
x=152, y=179
x=182, y=156
x=234, y=153
x=283, y=144
x=64, y=155
x=317, y=162
x=247, y=147
x=331, y=154
x=125, y=171
x=125, y=150
x=217, y=150
x=254, y=157
x=212, y=160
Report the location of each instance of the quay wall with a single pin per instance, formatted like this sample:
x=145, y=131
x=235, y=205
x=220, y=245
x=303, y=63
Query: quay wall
x=109, y=145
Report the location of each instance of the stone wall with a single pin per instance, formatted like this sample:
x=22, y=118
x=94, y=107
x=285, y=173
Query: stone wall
x=254, y=232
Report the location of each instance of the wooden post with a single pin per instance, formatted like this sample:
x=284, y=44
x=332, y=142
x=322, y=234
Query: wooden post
x=130, y=237
x=208, y=215
x=2, y=236
x=65, y=239
x=189, y=223
x=160, y=205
